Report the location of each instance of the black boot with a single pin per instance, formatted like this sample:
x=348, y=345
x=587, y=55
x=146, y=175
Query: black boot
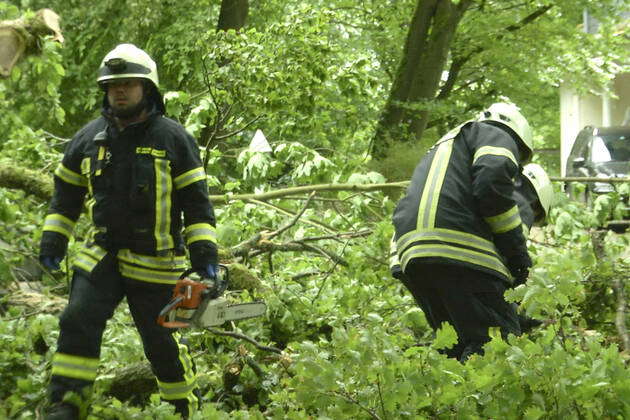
x=62, y=411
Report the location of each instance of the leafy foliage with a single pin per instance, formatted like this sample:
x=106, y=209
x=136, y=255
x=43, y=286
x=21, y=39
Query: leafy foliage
x=313, y=76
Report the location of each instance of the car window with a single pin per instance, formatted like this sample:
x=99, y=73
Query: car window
x=599, y=150
x=619, y=146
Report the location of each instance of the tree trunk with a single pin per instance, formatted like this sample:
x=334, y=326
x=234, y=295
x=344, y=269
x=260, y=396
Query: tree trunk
x=417, y=80
x=233, y=14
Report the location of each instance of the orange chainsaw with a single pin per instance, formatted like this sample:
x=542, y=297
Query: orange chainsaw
x=200, y=304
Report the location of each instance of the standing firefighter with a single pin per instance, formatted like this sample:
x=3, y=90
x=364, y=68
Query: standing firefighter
x=139, y=172
x=458, y=230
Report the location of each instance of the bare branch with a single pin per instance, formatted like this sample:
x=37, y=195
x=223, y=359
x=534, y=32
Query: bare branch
x=244, y=337
x=224, y=199
x=295, y=218
x=352, y=400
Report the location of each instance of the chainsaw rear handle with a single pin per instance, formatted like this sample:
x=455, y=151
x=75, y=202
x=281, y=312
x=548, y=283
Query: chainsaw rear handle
x=187, y=294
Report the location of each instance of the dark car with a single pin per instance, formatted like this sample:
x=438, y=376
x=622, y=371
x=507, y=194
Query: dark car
x=602, y=152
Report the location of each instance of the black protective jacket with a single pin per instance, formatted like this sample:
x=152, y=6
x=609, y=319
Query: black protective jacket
x=136, y=185
x=459, y=207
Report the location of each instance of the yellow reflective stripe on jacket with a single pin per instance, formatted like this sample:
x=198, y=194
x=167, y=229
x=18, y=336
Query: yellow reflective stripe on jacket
x=455, y=253
x=100, y=157
x=161, y=263
x=151, y=151
x=163, y=190
x=76, y=367
x=493, y=150
x=89, y=257
x=200, y=232
x=70, y=176
x=447, y=235
x=85, y=170
x=189, y=177
x=431, y=192
x=57, y=223
x=504, y=222
x=451, y=244
x=147, y=274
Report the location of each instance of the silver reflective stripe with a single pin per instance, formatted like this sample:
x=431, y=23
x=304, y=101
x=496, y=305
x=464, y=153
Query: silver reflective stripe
x=431, y=194
x=74, y=366
x=60, y=224
x=163, y=189
x=70, y=176
x=149, y=275
x=504, y=222
x=190, y=177
x=455, y=253
x=176, y=391
x=446, y=235
x=89, y=257
x=164, y=263
x=493, y=150
x=200, y=232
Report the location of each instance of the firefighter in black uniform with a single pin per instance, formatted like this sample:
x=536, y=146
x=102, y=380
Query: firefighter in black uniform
x=533, y=195
x=458, y=230
x=137, y=172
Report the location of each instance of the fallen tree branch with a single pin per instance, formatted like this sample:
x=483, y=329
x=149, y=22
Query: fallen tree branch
x=31, y=182
x=226, y=198
x=290, y=213
x=262, y=247
x=244, y=337
x=243, y=249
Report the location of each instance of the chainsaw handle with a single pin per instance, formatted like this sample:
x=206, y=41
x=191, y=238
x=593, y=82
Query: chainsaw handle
x=173, y=304
x=189, y=271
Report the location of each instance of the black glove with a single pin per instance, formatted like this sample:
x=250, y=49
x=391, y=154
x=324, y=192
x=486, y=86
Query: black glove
x=520, y=275
x=519, y=268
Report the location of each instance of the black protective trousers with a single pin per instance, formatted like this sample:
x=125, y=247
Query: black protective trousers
x=93, y=299
x=470, y=300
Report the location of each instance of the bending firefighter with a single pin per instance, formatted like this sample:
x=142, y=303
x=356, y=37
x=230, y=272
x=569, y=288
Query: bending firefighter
x=138, y=173
x=458, y=230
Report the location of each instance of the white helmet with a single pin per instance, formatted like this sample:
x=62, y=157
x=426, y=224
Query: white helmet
x=539, y=180
x=510, y=116
x=127, y=61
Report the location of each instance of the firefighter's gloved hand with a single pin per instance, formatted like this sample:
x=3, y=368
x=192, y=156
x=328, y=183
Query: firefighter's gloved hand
x=520, y=275
x=519, y=268
x=50, y=262
x=209, y=272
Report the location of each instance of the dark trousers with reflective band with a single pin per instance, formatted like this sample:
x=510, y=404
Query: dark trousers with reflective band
x=93, y=299
x=471, y=301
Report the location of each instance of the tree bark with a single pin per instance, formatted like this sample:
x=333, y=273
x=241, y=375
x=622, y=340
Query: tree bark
x=233, y=14
x=32, y=182
x=417, y=80
x=20, y=37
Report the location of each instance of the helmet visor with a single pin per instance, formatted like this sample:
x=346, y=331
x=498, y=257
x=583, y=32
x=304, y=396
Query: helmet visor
x=122, y=66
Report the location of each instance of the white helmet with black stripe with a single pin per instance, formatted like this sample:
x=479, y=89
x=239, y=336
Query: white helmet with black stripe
x=127, y=61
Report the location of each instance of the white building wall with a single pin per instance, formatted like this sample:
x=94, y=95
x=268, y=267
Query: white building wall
x=578, y=111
